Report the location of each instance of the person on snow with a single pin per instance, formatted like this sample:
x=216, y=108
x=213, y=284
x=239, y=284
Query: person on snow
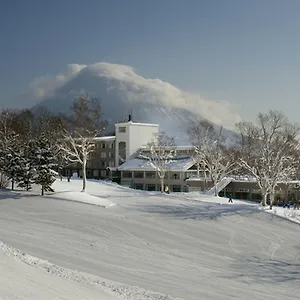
x=167, y=190
x=230, y=199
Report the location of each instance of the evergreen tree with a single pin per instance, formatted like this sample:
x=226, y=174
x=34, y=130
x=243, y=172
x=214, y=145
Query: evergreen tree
x=44, y=164
x=26, y=178
x=12, y=162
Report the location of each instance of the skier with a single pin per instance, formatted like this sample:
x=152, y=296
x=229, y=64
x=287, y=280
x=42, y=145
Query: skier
x=230, y=199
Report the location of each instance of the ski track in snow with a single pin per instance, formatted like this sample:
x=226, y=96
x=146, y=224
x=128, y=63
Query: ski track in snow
x=169, y=244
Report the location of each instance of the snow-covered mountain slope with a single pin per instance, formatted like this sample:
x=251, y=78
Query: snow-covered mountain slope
x=183, y=245
x=122, y=91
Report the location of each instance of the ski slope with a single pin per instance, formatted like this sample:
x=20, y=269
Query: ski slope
x=179, y=245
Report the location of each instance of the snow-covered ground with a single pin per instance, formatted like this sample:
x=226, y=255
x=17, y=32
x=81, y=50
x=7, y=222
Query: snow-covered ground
x=146, y=246
x=22, y=277
x=287, y=213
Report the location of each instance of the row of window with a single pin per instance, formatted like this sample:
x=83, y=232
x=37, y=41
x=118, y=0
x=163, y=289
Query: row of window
x=96, y=173
x=154, y=187
x=100, y=164
x=109, y=154
x=149, y=174
x=104, y=145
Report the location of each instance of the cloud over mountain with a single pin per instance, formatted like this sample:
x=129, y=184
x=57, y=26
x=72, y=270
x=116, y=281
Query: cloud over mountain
x=122, y=81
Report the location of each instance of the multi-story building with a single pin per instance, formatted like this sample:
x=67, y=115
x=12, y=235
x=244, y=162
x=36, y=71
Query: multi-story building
x=112, y=151
x=118, y=158
x=102, y=158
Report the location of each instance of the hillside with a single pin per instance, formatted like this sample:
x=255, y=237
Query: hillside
x=182, y=245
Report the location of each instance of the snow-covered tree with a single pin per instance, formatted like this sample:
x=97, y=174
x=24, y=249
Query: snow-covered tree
x=269, y=151
x=160, y=151
x=10, y=148
x=211, y=152
x=13, y=159
x=26, y=177
x=78, y=142
x=44, y=164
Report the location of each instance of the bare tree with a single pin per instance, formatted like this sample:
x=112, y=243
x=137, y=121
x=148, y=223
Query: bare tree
x=161, y=152
x=200, y=134
x=7, y=117
x=211, y=152
x=85, y=124
x=268, y=151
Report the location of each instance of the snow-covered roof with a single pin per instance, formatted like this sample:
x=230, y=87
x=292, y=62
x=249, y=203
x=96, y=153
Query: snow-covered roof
x=187, y=147
x=178, y=164
x=138, y=124
x=104, y=138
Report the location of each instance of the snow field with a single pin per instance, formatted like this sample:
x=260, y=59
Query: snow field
x=184, y=246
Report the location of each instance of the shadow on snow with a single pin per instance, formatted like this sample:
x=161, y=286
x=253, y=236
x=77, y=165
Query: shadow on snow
x=266, y=270
x=196, y=212
x=6, y=194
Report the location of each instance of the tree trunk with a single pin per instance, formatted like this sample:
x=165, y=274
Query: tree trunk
x=286, y=192
x=214, y=182
x=272, y=194
x=12, y=184
x=264, y=199
x=42, y=190
x=84, y=174
x=198, y=170
x=162, y=186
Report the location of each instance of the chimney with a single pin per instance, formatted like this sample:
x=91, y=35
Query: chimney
x=129, y=118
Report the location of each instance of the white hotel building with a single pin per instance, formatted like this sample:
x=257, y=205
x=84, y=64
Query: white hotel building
x=117, y=158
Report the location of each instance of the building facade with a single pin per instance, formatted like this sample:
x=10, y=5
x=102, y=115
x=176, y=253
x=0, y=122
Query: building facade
x=118, y=158
x=112, y=151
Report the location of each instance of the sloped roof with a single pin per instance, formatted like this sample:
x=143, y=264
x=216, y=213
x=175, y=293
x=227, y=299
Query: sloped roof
x=104, y=138
x=179, y=164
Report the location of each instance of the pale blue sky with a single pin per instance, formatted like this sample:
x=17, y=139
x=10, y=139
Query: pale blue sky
x=242, y=51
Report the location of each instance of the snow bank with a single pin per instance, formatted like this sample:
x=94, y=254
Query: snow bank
x=26, y=276
x=83, y=197
x=289, y=214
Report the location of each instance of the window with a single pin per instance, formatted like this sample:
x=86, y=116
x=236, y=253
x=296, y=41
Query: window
x=112, y=145
x=176, y=188
x=103, y=173
x=103, y=154
x=150, y=187
x=139, y=186
x=103, y=145
x=138, y=174
x=122, y=151
x=150, y=174
x=175, y=176
x=110, y=155
x=103, y=164
x=127, y=174
x=122, y=129
x=111, y=163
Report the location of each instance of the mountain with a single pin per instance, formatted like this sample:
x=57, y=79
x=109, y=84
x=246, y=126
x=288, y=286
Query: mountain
x=122, y=91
